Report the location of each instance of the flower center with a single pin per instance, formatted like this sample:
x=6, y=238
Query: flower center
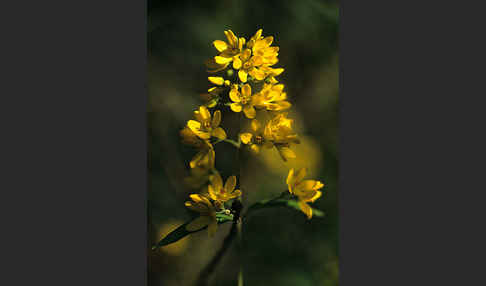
x=247, y=65
x=245, y=99
x=206, y=124
x=259, y=139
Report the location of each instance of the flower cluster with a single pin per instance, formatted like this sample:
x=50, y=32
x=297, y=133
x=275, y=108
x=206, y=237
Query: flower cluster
x=244, y=79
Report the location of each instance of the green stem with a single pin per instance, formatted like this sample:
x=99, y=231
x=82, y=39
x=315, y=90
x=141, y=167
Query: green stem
x=209, y=269
x=232, y=142
x=264, y=203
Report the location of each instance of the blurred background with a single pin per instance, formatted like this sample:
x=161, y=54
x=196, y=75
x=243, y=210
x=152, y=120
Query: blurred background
x=280, y=245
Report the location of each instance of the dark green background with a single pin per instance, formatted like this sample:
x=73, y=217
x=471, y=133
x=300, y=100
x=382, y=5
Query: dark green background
x=281, y=246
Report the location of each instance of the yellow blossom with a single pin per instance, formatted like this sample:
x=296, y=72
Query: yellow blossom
x=220, y=193
x=272, y=97
x=214, y=67
x=205, y=157
x=305, y=190
x=263, y=49
x=249, y=65
x=206, y=211
x=279, y=131
x=206, y=125
x=190, y=138
x=212, y=96
x=217, y=80
x=256, y=37
x=255, y=139
x=228, y=50
x=242, y=100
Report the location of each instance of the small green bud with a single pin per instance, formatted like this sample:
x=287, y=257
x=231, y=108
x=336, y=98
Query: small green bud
x=230, y=72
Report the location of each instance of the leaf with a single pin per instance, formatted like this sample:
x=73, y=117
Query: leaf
x=279, y=202
x=181, y=231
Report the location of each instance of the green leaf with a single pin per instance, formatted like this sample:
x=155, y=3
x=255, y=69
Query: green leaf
x=279, y=202
x=181, y=231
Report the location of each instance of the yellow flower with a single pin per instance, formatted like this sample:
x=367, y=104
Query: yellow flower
x=213, y=67
x=220, y=193
x=242, y=100
x=217, y=80
x=272, y=98
x=249, y=65
x=255, y=139
x=204, y=158
x=206, y=126
x=305, y=190
x=212, y=96
x=263, y=49
x=228, y=50
x=256, y=37
x=271, y=73
x=207, y=214
x=190, y=138
x=279, y=132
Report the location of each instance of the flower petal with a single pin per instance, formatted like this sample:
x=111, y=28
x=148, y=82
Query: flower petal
x=290, y=178
x=219, y=133
x=249, y=111
x=282, y=105
x=258, y=74
x=261, y=44
x=278, y=71
x=246, y=90
x=232, y=40
x=212, y=193
x=195, y=160
x=246, y=137
x=222, y=60
x=194, y=125
x=241, y=42
x=237, y=63
x=257, y=60
x=217, y=182
x=234, y=95
x=305, y=187
x=230, y=184
x=236, y=193
x=216, y=80
x=245, y=55
x=216, y=119
x=220, y=45
x=300, y=175
x=199, y=199
x=286, y=153
x=306, y=209
x=236, y=107
x=242, y=75
x=203, y=110
x=311, y=196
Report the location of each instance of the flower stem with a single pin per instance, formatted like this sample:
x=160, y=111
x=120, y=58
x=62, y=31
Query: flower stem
x=237, y=144
x=235, y=231
x=209, y=269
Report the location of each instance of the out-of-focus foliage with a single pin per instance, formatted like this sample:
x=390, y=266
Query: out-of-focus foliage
x=281, y=246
